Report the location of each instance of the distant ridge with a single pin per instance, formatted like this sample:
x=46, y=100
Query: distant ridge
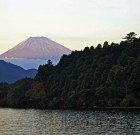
x=11, y=73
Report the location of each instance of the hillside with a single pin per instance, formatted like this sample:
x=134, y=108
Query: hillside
x=11, y=73
x=105, y=76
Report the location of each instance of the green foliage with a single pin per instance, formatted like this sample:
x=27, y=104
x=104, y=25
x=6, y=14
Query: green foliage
x=44, y=72
x=36, y=95
x=107, y=76
x=4, y=87
x=16, y=94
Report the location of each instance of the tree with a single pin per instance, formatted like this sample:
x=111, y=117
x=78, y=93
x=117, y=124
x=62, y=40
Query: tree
x=49, y=63
x=44, y=71
x=86, y=49
x=16, y=94
x=36, y=95
x=99, y=46
x=84, y=79
x=4, y=88
x=105, y=44
x=91, y=48
x=130, y=37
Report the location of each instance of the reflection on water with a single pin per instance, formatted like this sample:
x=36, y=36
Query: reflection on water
x=56, y=122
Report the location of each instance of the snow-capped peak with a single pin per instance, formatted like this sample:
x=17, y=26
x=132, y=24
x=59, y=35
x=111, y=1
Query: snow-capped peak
x=37, y=48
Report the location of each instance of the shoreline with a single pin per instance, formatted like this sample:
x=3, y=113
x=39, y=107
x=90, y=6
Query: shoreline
x=80, y=109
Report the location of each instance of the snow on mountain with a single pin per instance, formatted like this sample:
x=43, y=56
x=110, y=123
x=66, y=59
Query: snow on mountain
x=35, y=51
x=36, y=47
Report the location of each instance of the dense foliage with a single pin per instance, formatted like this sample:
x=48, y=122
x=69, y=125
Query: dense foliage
x=105, y=76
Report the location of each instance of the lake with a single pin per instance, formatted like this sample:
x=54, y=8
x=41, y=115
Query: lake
x=68, y=122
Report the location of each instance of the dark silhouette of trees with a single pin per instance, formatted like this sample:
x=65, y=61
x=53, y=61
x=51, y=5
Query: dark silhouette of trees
x=105, y=44
x=4, y=87
x=130, y=37
x=44, y=71
x=107, y=76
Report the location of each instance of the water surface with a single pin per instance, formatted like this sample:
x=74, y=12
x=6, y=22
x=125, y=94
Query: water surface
x=58, y=122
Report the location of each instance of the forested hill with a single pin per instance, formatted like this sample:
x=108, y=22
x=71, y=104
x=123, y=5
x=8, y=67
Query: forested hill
x=105, y=76
x=11, y=73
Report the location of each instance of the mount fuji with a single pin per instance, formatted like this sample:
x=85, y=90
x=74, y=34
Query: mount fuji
x=35, y=51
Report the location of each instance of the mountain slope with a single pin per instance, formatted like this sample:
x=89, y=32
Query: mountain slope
x=36, y=48
x=35, y=51
x=10, y=73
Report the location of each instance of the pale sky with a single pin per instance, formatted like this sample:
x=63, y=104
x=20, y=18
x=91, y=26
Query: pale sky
x=73, y=23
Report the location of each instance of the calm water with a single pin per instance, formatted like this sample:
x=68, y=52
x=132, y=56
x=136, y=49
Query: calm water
x=55, y=122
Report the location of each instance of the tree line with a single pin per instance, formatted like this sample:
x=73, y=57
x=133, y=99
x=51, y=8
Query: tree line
x=104, y=76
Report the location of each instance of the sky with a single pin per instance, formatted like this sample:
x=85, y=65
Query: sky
x=72, y=23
